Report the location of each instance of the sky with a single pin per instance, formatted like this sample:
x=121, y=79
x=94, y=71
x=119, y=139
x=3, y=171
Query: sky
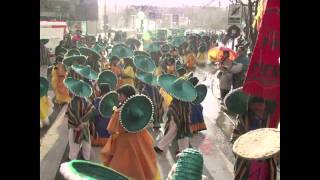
x=166, y=3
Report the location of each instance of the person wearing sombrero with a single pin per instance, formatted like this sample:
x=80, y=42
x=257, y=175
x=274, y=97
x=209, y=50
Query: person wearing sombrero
x=253, y=113
x=130, y=141
x=115, y=67
x=190, y=60
x=79, y=113
x=178, y=123
x=59, y=73
x=73, y=57
x=46, y=107
x=128, y=71
x=202, y=55
x=93, y=58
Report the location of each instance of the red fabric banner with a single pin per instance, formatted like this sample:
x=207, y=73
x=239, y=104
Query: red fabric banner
x=263, y=75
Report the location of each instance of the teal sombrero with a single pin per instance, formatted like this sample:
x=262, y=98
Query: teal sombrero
x=154, y=47
x=80, y=169
x=85, y=71
x=237, y=102
x=136, y=53
x=144, y=63
x=165, y=48
x=107, y=103
x=132, y=41
x=201, y=93
x=147, y=78
x=73, y=55
x=177, y=41
x=44, y=86
x=90, y=52
x=179, y=88
x=72, y=52
x=136, y=113
x=121, y=51
x=109, y=77
x=189, y=165
x=78, y=87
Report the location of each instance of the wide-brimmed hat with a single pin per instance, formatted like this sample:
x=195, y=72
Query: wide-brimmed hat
x=68, y=61
x=107, y=103
x=44, y=41
x=237, y=102
x=109, y=77
x=63, y=51
x=136, y=113
x=189, y=165
x=165, y=48
x=72, y=52
x=44, y=86
x=136, y=53
x=147, y=78
x=80, y=169
x=177, y=41
x=90, y=52
x=179, y=88
x=121, y=51
x=78, y=87
x=259, y=144
x=85, y=71
x=132, y=41
x=154, y=47
x=201, y=93
x=144, y=63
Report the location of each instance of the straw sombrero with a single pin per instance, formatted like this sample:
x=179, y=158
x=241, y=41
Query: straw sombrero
x=179, y=88
x=121, y=51
x=90, y=52
x=44, y=86
x=136, y=53
x=201, y=93
x=147, y=78
x=109, y=77
x=78, y=87
x=136, y=113
x=144, y=63
x=85, y=71
x=107, y=103
x=258, y=144
x=189, y=165
x=80, y=169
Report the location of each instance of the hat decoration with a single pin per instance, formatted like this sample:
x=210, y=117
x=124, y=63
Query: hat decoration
x=144, y=63
x=78, y=87
x=109, y=77
x=107, y=103
x=85, y=71
x=44, y=86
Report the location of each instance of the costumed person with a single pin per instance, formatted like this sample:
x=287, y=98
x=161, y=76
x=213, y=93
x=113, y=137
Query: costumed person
x=190, y=60
x=116, y=69
x=225, y=76
x=197, y=121
x=107, y=81
x=179, y=112
x=189, y=166
x=59, y=73
x=44, y=57
x=60, y=50
x=79, y=169
x=93, y=58
x=46, y=107
x=73, y=57
x=238, y=78
x=202, y=55
x=170, y=66
x=127, y=74
x=79, y=113
x=130, y=141
x=260, y=163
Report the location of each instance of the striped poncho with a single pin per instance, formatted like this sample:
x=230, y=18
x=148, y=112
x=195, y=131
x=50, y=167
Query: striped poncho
x=44, y=55
x=79, y=111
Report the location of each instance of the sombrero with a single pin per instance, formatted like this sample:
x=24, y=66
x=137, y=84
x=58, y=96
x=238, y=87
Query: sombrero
x=80, y=169
x=73, y=55
x=44, y=86
x=72, y=52
x=90, y=52
x=189, y=165
x=78, y=87
x=121, y=51
x=177, y=41
x=85, y=71
x=98, y=48
x=258, y=144
x=201, y=93
x=132, y=41
x=179, y=88
x=136, y=113
x=63, y=51
x=136, y=53
x=109, y=77
x=237, y=102
x=147, y=78
x=107, y=103
x=44, y=41
x=144, y=63
x=165, y=48
x=154, y=47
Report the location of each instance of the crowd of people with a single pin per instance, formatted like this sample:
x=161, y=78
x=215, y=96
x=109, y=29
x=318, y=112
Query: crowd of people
x=118, y=92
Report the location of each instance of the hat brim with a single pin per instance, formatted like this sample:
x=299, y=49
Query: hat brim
x=147, y=78
x=109, y=77
x=136, y=113
x=85, y=72
x=68, y=61
x=141, y=53
x=78, y=87
x=90, y=52
x=201, y=93
x=144, y=64
x=187, y=93
x=107, y=103
x=44, y=86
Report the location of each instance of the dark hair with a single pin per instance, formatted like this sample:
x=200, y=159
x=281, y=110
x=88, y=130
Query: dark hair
x=194, y=80
x=115, y=58
x=126, y=90
x=104, y=88
x=59, y=58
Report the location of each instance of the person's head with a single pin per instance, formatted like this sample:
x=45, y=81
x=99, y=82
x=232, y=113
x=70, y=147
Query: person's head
x=125, y=91
x=226, y=54
x=174, y=52
x=127, y=61
x=61, y=43
x=257, y=106
x=114, y=60
x=104, y=88
x=59, y=59
x=242, y=51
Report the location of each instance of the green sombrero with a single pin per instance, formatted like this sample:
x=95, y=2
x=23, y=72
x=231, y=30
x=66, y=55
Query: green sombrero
x=98, y=48
x=144, y=63
x=136, y=53
x=147, y=78
x=85, y=71
x=80, y=169
x=73, y=55
x=63, y=51
x=132, y=41
x=154, y=47
x=237, y=102
x=121, y=51
x=107, y=103
x=136, y=113
x=189, y=165
x=201, y=93
x=90, y=52
x=44, y=86
x=179, y=88
x=165, y=48
x=109, y=77
x=72, y=52
x=78, y=87
x=177, y=41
